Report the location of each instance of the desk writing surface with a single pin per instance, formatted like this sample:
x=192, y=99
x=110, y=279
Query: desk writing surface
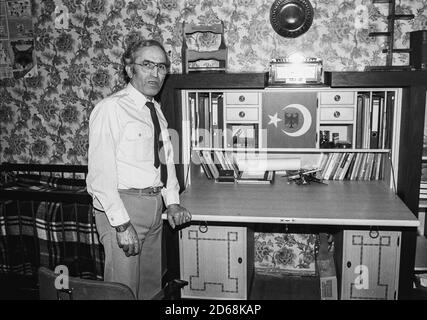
x=368, y=203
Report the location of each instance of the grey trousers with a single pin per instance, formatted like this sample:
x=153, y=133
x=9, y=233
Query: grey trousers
x=142, y=273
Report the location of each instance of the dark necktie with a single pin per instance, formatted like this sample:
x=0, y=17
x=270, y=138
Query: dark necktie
x=156, y=124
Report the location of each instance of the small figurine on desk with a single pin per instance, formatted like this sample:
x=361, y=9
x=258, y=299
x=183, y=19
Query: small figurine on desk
x=303, y=176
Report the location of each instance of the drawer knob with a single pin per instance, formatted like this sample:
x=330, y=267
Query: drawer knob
x=242, y=98
x=240, y=260
x=337, y=114
x=203, y=228
x=374, y=234
x=337, y=97
x=242, y=114
x=348, y=264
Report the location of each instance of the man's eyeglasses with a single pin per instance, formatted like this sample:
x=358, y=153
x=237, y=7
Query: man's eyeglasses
x=148, y=66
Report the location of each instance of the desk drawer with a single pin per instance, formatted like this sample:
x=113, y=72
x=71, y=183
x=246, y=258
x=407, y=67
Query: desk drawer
x=240, y=98
x=242, y=114
x=337, y=98
x=336, y=114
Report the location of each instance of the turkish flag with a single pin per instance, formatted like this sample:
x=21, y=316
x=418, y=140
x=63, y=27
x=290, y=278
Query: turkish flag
x=289, y=119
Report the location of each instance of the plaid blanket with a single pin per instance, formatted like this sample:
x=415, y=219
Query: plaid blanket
x=44, y=183
x=38, y=233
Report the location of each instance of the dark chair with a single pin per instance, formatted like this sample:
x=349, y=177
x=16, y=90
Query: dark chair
x=86, y=289
x=81, y=289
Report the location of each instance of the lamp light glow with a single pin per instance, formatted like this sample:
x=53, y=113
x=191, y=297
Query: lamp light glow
x=296, y=58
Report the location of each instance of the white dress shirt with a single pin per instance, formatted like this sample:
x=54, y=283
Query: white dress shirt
x=121, y=152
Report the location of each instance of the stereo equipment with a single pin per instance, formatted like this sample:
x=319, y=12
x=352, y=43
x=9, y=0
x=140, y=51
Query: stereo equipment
x=418, y=54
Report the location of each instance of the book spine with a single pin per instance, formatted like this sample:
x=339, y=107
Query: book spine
x=350, y=167
x=383, y=124
x=355, y=167
x=210, y=163
x=363, y=167
x=359, y=120
x=390, y=116
x=205, y=167
x=201, y=121
x=341, y=166
x=330, y=165
x=374, y=122
x=336, y=165
x=217, y=121
x=367, y=122
x=379, y=158
x=346, y=166
x=208, y=128
x=322, y=161
x=214, y=122
x=192, y=102
x=325, y=168
x=371, y=157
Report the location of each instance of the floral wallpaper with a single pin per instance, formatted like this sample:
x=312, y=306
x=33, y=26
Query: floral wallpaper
x=44, y=119
x=290, y=253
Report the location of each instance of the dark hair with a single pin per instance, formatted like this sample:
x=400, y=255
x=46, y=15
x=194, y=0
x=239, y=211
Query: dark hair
x=129, y=54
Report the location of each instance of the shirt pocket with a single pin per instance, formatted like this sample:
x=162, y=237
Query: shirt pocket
x=138, y=141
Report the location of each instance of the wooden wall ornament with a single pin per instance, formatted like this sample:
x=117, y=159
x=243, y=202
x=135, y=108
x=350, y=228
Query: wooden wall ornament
x=291, y=18
x=389, y=34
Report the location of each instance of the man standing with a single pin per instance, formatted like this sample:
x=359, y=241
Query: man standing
x=127, y=134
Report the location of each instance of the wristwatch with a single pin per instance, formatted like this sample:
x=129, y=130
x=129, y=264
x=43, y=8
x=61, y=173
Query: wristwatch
x=122, y=227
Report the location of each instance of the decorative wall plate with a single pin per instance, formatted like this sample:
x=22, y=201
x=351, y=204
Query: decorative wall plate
x=291, y=18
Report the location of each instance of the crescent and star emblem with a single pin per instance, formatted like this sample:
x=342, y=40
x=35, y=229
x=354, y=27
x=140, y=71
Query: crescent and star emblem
x=297, y=120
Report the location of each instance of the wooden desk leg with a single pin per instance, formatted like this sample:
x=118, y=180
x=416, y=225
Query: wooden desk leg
x=407, y=263
x=171, y=253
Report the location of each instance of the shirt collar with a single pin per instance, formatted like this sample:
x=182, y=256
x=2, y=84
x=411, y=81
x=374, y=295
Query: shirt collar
x=137, y=96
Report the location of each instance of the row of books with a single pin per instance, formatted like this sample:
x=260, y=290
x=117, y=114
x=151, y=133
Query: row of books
x=351, y=166
x=207, y=120
x=222, y=167
x=423, y=185
x=213, y=162
x=374, y=120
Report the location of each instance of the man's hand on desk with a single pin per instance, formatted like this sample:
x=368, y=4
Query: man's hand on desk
x=127, y=239
x=177, y=215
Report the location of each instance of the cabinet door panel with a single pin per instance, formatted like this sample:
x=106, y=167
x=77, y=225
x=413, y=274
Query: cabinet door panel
x=214, y=262
x=370, y=265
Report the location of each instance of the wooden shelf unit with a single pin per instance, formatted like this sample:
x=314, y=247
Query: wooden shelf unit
x=389, y=34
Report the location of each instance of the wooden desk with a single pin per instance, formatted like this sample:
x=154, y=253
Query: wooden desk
x=355, y=206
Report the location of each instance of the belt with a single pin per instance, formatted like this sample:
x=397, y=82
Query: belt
x=146, y=191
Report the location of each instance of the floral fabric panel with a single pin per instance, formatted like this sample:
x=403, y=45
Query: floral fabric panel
x=285, y=253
